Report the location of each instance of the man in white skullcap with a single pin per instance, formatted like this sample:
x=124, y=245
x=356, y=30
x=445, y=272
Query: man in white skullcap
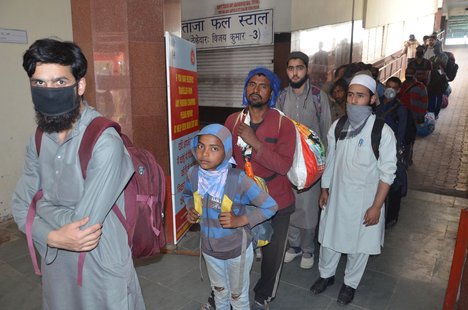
x=355, y=183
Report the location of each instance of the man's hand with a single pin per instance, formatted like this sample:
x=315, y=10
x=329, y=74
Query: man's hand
x=248, y=135
x=230, y=220
x=193, y=216
x=323, y=199
x=372, y=216
x=71, y=237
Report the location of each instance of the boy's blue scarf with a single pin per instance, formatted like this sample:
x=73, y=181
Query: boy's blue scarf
x=212, y=182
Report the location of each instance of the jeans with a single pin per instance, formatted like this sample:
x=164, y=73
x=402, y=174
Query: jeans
x=230, y=280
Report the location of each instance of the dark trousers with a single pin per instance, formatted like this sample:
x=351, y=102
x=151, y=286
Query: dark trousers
x=272, y=259
x=435, y=103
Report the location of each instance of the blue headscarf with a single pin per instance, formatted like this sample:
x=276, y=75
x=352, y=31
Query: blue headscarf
x=212, y=182
x=274, y=84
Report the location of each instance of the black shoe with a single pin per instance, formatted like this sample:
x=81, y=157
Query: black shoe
x=321, y=284
x=346, y=295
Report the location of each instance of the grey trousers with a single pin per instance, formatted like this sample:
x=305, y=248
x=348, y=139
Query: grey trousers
x=301, y=237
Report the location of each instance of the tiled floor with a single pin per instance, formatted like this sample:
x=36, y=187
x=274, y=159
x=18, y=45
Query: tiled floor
x=441, y=159
x=411, y=273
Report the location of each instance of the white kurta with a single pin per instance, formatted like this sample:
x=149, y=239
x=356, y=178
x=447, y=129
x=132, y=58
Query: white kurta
x=352, y=176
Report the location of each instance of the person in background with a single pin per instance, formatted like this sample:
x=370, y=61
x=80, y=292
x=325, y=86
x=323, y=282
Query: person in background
x=380, y=86
x=339, y=73
x=421, y=66
x=397, y=117
x=438, y=83
x=409, y=47
x=430, y=43
x=413, y=95
x=339, y=93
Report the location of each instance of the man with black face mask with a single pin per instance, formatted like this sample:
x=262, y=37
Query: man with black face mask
x=73, y=214
x=306, y=104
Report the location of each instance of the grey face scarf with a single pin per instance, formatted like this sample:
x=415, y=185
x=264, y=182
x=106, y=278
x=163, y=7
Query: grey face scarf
x=357, y=114
x=357, y=119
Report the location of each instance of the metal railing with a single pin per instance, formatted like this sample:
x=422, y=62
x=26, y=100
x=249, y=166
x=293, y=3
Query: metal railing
x=392, y=65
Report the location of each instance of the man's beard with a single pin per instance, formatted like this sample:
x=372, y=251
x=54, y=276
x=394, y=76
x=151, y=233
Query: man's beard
x=258, y=103
x=298, y=84
x=341, y=101
x=50, y=124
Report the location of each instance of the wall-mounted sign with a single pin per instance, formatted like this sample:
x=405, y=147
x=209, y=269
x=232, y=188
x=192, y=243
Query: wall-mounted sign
x=238, y=6
x=182, y=98
x=13, y=36
x=241, y=29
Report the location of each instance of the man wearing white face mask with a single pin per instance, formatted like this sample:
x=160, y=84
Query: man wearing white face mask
x=394, y=114
x=400, y=119
x=354, y=187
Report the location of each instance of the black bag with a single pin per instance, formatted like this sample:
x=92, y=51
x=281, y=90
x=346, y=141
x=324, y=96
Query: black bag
x=410, y=134
x=451, y=68
x=438, y=83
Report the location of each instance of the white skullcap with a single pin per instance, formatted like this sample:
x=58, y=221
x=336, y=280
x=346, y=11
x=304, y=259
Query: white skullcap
x=364, y=80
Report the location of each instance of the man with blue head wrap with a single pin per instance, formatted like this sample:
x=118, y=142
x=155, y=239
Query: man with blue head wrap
x=267, y=140
x=274, y=85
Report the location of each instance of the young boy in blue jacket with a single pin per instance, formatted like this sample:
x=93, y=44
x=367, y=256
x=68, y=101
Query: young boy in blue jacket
x=226, y=242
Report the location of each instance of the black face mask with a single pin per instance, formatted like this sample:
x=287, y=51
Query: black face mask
x=409, y=77
x=51, y=101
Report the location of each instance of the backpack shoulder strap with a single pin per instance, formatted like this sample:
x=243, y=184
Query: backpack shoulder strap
x=38, y=140
x=281, y=99
x=376, y=135
x=232, y=181
x=392, y=110
x=316, y=99
x=339, y=127
x=90, y=137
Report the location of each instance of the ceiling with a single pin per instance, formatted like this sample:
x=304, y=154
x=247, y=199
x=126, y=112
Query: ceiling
x=451, y=4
